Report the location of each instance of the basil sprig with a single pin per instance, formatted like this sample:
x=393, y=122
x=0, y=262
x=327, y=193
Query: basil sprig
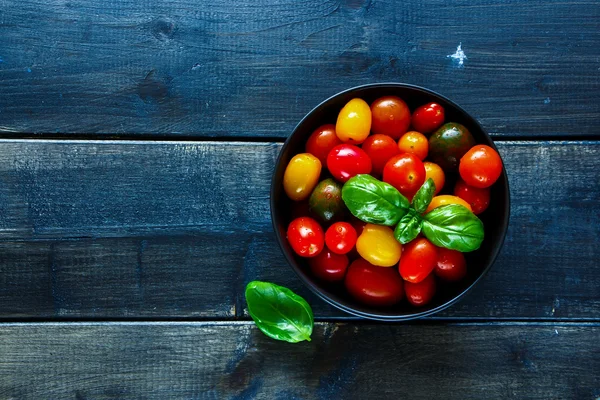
x=409, y=227
x=373, y=201
x=423, y=196
x=278, y=312
x=451, y=226
x=454, y=227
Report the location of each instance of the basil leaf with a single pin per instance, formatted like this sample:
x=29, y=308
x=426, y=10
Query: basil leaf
x=408, y=228
x=423, y=196
x=278, y=312
x=373, y=201
x=454, y=227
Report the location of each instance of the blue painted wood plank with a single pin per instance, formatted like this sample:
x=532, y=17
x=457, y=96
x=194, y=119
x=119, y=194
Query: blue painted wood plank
x=128, y=229
x=343, y=361
x=188, y=68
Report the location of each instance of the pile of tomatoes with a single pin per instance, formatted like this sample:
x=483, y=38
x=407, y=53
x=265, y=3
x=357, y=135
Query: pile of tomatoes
x=402, y=148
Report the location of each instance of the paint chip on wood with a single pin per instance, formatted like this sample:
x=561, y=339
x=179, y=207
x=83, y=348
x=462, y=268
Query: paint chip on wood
x=459, y=55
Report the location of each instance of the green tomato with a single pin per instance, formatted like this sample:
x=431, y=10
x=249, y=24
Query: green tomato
x=448, y=144
x=325, y=201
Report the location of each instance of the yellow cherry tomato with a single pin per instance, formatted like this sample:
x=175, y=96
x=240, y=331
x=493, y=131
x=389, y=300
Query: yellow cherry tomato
x=435, y=172
x=444, y=199
x=377, y=245
x=354, y=122
x=414, y=142
x=301, y=176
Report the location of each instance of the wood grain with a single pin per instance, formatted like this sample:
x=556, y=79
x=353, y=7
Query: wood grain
x=236, y=361
x=175, y=230
x=188, y=68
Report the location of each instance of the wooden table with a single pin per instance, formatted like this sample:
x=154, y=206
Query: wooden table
x=138, y=139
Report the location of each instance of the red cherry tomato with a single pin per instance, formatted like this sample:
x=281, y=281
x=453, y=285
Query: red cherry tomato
x=380, y=149
x=478, y=199
x=306, y=236
x=428, y=117
x=419, y=258
x=321, y=141
x=340, y=237
x=391, y=116
x=451, y=265
x=419, y=294
x=329, y=266
x=480, y=167
x=372, y=285
x=406, y=173
x=347, y=160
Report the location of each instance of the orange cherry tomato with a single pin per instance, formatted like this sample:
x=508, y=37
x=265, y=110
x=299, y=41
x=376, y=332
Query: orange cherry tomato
x=478, y=198
x=419, y=259
x=405, y=172
x=354, y=122
x=481, y=166
x=301, y=176
x=391, y=116
x=436, y=173
x=380, y=149
x=321, y=141
x=414, y=142
x=445, y=199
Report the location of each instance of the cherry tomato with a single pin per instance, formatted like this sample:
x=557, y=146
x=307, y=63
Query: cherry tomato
x=418, y=260
x=478, y=199
x=421, y=293
x=405, y=172
x=428, y=117
x=451, y=265
x=391, y=116
x=306, y=236
x=436, y=173
x=415, y=143
x=373, y=285
x=301, y=176
x=380, y=149
x=480, y=167
x=445, y=199
x=346, y=160
x=329, y=266
x=340, y=237
x=354, y=122
x=321, y=141
x=377, y=245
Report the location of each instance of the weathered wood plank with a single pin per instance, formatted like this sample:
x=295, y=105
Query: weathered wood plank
x=175, y=230
x=235, y=361
x=181, y=67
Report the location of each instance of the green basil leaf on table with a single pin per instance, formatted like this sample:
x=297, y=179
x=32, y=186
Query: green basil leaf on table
x=454, y=227
x=373, y=201
x=423, y=196
x=278, y=312
x=408, y=228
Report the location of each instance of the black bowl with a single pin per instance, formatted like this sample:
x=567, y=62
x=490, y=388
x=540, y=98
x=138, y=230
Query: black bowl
x=495, y=218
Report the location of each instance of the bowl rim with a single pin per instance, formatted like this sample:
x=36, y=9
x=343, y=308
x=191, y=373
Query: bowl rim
x=315, y=288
